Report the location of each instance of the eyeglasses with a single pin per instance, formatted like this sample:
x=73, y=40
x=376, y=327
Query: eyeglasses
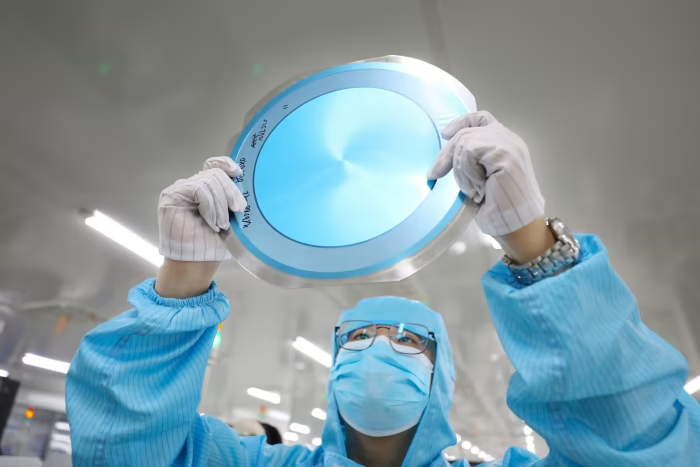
x=405, y=338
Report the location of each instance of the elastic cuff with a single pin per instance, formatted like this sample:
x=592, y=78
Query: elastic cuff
x=147, y=287
x=591, y=245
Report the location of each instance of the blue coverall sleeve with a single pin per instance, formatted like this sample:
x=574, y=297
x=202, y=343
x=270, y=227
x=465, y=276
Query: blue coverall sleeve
x=134, y=385
x=591, y=378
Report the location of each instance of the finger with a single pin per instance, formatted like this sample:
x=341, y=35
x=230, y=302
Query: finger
x=219, y=199
x=443, y=162
x=469, y=173
x=204, y=199
x=468, y=188
x=470, y=120
x=224, y=163
x=234, y=198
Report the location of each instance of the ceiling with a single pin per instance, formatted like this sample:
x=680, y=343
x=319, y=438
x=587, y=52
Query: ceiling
x=103, y=104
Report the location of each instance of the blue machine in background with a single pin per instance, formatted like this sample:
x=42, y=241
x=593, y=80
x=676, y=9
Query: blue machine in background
x=334, y=168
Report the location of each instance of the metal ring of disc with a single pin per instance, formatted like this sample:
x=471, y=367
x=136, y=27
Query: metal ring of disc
x=274, y=257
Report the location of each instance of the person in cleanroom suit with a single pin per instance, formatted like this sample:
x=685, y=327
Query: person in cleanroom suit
x=591, y=378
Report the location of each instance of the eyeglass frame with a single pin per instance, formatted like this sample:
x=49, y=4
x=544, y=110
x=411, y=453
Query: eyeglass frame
x=431, y=337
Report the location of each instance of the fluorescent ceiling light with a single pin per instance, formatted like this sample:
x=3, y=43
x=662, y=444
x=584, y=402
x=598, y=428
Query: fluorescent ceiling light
x=529, y=439
x=268, y=396
x=466, y=445
x=318, y=354
x=4, y=374
x=299, y=428
x=318, y=413
x=126, y=238
x=481, y=454
x=316, y=441
x=693, y=385
x=45, y=363
x=531, y=448
x=527, y=430
x=278, y=415
x=61, y=438
x=60, y=446
x=475, y=449
x=63, y=426
x=289, y=436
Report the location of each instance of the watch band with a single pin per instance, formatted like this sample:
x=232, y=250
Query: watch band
x=565, y=252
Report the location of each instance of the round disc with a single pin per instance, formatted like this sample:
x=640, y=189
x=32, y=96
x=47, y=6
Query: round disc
x=345, y=167
x=334, y=171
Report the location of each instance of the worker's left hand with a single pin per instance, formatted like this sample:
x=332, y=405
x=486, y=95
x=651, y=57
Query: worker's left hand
x=491, y=165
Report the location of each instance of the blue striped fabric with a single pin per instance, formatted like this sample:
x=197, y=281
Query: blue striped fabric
x=591, y=378
x=600, y=387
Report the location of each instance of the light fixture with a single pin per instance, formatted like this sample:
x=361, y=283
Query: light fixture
x=217, y=340
x=529, y=439
x=4, y=374
x=531, y=448
x=318, y=413
x=313, y=351
x=481, y=454
x=527, y=430
x=299, y=428
x=278, y=415
x=45, y=363
x=289, y=436
x=63, y=426
x=459, y=438
x=475, y=449
x=268, y=396
x=125, y=237
x=60, y=437
x=466, y=445
x=693, y=385
x=316, y=441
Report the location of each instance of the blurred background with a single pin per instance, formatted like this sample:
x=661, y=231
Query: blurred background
x=105, y=103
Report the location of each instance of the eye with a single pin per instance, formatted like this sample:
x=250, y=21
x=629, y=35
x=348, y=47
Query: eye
x=406, y=339
x=359, y=335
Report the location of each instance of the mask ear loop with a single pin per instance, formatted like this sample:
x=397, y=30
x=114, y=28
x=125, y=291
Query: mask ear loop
x=432, y=338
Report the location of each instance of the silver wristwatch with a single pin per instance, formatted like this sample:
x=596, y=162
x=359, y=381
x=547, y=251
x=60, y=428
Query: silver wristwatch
x=564, y=253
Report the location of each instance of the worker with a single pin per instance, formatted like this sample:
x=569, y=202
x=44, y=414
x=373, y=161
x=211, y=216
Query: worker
x=590, y=377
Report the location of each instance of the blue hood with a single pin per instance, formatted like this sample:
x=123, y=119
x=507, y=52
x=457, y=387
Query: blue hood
x=434, y=433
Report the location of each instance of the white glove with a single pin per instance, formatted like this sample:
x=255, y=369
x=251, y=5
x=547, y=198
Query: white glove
x=193, y=214
x=492, y=167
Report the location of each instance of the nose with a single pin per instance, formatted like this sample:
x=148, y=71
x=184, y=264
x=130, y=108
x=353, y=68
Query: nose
x=383, y=332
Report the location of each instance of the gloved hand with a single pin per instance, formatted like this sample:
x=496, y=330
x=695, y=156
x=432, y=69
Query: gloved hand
x=193, y=214
x=491, y=165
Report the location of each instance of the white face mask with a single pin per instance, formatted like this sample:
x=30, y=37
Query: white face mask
x=379, y=391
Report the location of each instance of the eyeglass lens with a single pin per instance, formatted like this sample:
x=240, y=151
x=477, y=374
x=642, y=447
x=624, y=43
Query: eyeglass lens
x=405, y=338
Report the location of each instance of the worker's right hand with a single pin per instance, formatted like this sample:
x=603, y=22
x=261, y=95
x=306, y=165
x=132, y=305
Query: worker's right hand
x=193, y=214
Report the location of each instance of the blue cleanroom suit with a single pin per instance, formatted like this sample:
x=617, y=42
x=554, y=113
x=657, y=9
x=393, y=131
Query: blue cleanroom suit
x=591, y=378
